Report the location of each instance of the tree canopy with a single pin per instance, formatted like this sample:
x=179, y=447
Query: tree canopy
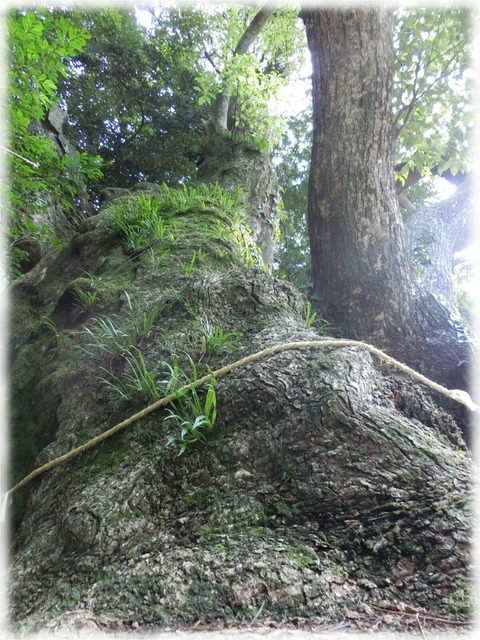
x=141, y=98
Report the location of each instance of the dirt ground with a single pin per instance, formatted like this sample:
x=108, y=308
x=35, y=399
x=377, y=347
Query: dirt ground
x=276, y=634
x=81, y=623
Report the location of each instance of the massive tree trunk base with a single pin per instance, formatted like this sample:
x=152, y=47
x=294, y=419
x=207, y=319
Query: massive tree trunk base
x=325, y=486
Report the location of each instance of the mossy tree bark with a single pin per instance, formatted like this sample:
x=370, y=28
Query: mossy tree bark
x=325, y=484
x=361, y=270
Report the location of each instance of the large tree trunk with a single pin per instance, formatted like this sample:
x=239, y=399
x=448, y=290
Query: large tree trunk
x=362, y=274
x=326, y=486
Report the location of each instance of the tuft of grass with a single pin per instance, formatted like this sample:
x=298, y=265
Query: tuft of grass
x=141, y=321
x=60, y=338
x=214, y=339
x=106, y=335
x=85, y=290
x=138, y=380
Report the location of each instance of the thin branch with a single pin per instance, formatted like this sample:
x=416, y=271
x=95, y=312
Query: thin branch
x=253, y=29
x=223, y=101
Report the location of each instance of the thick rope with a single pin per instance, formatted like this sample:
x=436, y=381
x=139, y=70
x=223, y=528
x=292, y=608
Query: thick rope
x=458, y=396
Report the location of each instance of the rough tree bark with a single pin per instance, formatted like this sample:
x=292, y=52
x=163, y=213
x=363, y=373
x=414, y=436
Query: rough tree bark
x=362, y=274
x=326, y=486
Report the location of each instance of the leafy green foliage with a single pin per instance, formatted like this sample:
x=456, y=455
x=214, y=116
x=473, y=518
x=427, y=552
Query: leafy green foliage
x=310, y=315
x=141, y=321
x=106, y=335
x=195, y=260
x=129, y=94
x=433, y=90
x=292, y=160
x=191, y=414
x=253, y=78
x=41, y=43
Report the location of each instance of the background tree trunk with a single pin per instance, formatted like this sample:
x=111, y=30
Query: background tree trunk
x=362, y=274
x=434, y=235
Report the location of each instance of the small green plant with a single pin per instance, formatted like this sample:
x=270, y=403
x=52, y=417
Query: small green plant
x=85, y=290
x=175, y=377
x=60, y=338
x=247, y=248
x=320, y=325
x=106, y=336
x=192, y=418
x=197, y=257
x=141, y=321
x=137, y=381
x=214, y=339
x=192, y=414
x=310, y=315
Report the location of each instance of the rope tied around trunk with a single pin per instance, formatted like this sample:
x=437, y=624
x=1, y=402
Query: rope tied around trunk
x=454, y=394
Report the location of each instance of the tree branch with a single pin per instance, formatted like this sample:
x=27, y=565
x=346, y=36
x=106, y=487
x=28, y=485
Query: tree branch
x=222, y=102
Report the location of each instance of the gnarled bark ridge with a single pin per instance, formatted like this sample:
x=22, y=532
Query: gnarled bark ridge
x=325, y=483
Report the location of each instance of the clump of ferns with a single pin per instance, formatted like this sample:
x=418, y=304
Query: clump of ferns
x=143, y=220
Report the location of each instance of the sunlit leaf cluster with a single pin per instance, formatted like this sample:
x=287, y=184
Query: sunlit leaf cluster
x=253, y=79
x=433, y=108
x=41, y=44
